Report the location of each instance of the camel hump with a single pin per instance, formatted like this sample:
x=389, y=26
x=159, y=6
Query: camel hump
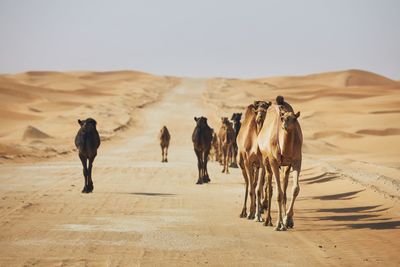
x=280, y=100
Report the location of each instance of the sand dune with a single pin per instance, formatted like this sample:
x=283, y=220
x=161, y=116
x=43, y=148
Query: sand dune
x=40, y=104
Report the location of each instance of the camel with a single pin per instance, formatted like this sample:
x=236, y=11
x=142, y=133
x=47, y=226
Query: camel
x=202, y=137
x=285, y=170
x=215, y=147
x=250, y=157
x=226, y=136
x=236, y=117
x=164, y=137
x=280, y=142
x=87, y=141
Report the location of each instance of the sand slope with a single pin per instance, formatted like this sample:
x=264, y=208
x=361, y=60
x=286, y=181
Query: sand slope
x=41, y=104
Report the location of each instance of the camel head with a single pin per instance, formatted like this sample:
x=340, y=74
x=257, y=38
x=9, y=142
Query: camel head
x=288, y=120
x=236, y=117
x=224, y=120
x=201, y=121
x=280, y=100
x=261, y=108
x=88, y=123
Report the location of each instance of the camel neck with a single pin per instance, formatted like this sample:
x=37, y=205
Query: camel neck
x=287, y=144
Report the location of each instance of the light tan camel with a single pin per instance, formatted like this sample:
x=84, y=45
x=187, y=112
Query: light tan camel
x=285, y=170
x=280, y=142
x=250, y=160
x=226, y=137
x=164, y=137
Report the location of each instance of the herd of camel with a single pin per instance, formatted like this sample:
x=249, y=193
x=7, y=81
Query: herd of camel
x=266, y=142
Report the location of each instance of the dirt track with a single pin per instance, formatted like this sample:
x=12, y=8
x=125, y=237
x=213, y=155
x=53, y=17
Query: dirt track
x=144, y=212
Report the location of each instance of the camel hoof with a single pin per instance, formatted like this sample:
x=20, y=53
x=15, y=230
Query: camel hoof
x=268, y=223
x=280, y=227
x=84, y=190
x=243, y=214
x=259, y=219
x=206, y=179
x=288, y=222
x=199, y=181
x=90, y=188
x=233, y=165
x=251, y=217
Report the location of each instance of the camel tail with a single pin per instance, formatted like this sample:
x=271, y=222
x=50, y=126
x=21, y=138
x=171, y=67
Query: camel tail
x=280, y=100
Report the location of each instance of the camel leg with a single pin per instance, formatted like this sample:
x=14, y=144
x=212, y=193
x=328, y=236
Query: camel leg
x=162, y=153
x=243, y=214
x=275, y=170
x=250, y=173
x=206, y=177
x=285, y=185
x=235, y=148
x=295, y=192
x=268, y=198
x=228, y=152
x=200, y=179
x=85, y=172
x=223, y=160
x=261, y=179
x=221, y=154
x=166, y=154
x=90, y=181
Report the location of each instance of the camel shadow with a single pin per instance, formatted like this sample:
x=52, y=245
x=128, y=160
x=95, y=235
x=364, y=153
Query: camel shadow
x=341, y=196
x=376, y=225
x=353, y=209
x=322, y=178
x=362, y=217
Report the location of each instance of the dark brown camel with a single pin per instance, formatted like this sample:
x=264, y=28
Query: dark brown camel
x=202, y=137
x=164, y=137
x=236, y=117
x=87, y=141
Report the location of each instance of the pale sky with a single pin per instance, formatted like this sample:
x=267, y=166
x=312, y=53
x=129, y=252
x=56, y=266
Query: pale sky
x=230, y=38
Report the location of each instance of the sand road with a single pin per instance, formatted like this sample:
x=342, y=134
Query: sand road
x=147, y=213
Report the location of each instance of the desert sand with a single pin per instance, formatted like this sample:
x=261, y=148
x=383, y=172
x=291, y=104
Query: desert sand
x=147, y=213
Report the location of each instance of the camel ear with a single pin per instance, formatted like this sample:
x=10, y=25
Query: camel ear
x=297, y=114
x=80, y=122
x=196, y=119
